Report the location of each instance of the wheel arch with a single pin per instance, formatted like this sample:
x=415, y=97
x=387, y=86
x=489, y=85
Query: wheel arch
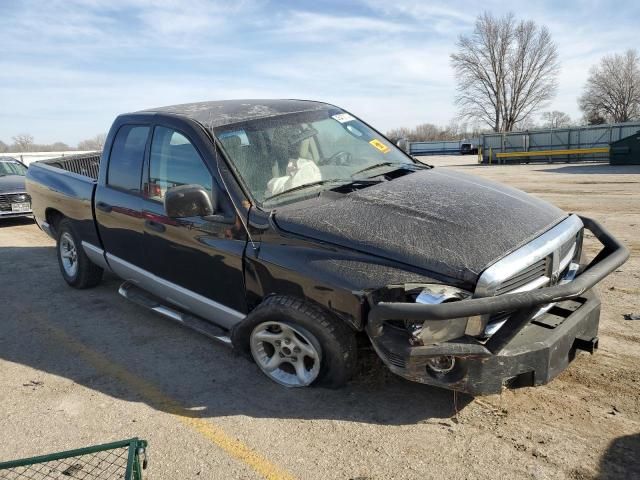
x=241, y=331
x=53, y=217
x=337, y=339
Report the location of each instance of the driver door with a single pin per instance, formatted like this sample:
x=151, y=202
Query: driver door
x=198, y=257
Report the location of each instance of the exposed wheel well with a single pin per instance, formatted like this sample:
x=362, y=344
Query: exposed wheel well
x=53, y=218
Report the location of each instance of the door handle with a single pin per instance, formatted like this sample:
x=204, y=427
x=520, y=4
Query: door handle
x=105, y=207
x=155, y=226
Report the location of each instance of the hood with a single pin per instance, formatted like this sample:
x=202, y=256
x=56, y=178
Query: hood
x=12, y=183
x=437, y=220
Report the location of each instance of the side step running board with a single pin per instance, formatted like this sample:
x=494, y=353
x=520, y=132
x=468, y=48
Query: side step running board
x=145, y=299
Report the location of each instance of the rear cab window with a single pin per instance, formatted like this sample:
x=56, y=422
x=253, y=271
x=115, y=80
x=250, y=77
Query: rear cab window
x=127, y=157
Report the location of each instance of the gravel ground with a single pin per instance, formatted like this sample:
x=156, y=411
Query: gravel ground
x=85, y=367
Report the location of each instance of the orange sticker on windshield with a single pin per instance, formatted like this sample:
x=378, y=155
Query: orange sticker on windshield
x=379, y=145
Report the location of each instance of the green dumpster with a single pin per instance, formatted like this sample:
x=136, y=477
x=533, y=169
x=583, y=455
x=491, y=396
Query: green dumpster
x=625, y=151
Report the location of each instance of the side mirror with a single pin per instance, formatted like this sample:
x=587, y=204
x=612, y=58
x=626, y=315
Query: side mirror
x=188, y=201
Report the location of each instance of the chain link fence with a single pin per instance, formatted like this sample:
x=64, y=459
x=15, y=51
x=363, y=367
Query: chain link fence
x=117, y=460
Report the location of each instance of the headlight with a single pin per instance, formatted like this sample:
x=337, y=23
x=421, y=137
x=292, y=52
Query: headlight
x=436, y=331
x=434, y=294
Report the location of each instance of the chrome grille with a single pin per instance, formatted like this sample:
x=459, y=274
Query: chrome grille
x=566, y=248
x=536, y=274
x=536, y=265
x=538, y=259
x=7, y=199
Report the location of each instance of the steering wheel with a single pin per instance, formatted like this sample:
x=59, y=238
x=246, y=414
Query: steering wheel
x=340, y=158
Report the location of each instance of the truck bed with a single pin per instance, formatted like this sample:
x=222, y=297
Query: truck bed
x=64, y=188
x=86, y=164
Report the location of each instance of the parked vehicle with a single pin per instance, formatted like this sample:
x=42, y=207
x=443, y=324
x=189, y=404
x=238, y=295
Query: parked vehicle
x=468, y=149
x=290, y=228
x=14, y=200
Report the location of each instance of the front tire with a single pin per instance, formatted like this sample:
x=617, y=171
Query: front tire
x=76, y=268
x=297, y=343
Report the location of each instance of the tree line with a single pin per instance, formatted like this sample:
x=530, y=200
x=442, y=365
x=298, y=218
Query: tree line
x=24, y=142
x=428, y=132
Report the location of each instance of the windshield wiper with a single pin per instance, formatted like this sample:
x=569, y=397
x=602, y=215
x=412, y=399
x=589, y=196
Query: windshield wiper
x=388, y=164
x=306, y=185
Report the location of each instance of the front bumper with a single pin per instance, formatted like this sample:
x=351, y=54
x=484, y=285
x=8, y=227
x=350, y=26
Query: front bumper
x=15, y=214
x=537, y=354
x=525, y=351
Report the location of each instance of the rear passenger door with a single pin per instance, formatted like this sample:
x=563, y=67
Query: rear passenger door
x=118, y=199
x=201, y=255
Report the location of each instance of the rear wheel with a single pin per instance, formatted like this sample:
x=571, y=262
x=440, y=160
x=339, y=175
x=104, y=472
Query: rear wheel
x=297, y=344
x=76, y=268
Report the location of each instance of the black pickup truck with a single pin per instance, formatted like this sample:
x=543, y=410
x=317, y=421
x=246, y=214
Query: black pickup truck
x=298, y=234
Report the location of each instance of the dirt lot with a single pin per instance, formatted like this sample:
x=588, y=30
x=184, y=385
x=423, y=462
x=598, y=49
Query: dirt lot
x=84, y=367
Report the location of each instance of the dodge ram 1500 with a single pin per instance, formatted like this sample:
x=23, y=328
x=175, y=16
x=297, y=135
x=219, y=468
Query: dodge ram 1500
x=289, y=229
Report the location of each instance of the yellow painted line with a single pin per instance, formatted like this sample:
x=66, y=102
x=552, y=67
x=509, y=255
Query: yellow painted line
x=156, y=397
x=546, y=153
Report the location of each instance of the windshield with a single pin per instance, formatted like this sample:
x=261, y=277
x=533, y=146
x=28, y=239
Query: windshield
x=11, y=167
x=299, y=153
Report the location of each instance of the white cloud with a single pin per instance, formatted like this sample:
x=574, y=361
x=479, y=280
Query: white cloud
x=68, y=67
x=317, y=26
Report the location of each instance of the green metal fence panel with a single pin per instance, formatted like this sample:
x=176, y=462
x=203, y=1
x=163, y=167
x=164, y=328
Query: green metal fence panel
x=556, y=139
x=116, y=460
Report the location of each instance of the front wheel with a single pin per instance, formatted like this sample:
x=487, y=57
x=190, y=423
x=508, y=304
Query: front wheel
x=286, y=353
x=298, y=344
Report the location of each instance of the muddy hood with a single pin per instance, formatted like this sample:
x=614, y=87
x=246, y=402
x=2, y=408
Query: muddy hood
x=437, y=220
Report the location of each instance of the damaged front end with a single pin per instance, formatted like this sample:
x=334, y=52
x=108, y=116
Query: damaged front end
x=529, y=314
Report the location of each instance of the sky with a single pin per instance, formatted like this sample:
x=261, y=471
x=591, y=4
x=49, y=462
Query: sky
x=68, y=67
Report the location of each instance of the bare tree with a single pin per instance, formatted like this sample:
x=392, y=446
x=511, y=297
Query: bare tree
x=23, y=142
x=506, y=70
x=594, y=118
x=613, y=88
x=525, y=124
x=430, y=132
x=422, y=132
x=3, y=147
x=556, y=119
x=59, y=147
x=95, y=143
x=427, y=131
x=399, y=133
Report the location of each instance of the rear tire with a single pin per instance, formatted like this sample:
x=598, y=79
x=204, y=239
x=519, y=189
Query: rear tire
x=297, y=344
x=76, y=268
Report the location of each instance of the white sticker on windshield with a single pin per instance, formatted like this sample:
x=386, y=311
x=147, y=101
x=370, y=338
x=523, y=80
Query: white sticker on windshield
x=343, y=117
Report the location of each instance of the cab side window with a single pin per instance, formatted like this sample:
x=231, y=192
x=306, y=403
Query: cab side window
x=174, y=161
x=127, y=156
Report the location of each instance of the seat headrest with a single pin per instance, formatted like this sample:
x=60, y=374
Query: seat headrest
x=233, y=141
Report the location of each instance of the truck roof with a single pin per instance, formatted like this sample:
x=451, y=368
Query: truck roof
x=226, y=112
